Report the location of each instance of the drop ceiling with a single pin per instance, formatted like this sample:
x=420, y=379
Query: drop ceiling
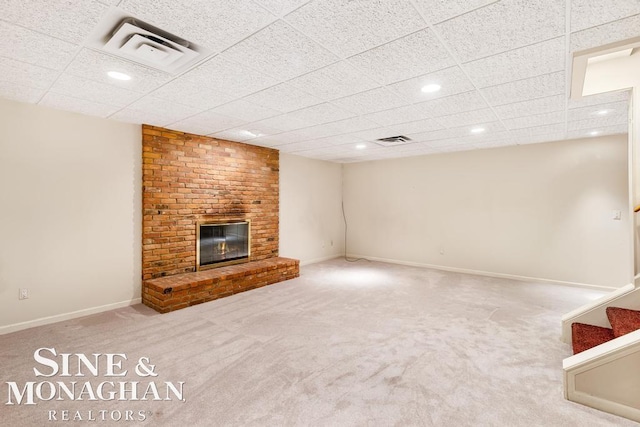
x=326, y=78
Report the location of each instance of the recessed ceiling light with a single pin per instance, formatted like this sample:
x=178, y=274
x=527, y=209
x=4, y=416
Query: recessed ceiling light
x=477, y=130
x=602, y=112
x=250, y=134
x=594, y=133
x=361, y=146
x=118, y=75
x=431, y=88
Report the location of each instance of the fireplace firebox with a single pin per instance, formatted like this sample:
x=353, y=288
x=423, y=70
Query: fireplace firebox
x=219, y=244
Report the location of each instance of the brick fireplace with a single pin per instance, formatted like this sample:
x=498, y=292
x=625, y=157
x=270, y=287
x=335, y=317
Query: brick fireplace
x=190, y=180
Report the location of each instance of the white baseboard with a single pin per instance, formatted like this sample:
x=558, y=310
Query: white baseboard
x=485, y=273
x=326, y=258
x=66, y=316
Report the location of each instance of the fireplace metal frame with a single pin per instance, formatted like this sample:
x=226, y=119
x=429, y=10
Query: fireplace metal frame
x=223, y=263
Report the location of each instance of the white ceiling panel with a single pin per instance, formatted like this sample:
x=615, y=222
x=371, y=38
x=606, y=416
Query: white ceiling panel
x=601, y=98
x=281, y=7
x=64, y=102
x=467, y=101
x=526, y=89
x=418, y=126
x=284, y=123
x=281, y=52
x=34, y=48
x=321, y=113
x=530, y=61
x=215, y=24
x=334, y=81
x=185, y=91
x=353, y=124
x=503, y=26
x=93, y=65
x=235, y=134
x=371, y=101
x=23, y=74
x=245, y=111
x=485, y=115
x=69, y=20
x=452, y=81
x=589, y=13
x=599, y=110
x=284, y=98
x=206, y=123
x=339, y=25
x=604, y=34
x=407, y=113
x=17, y=92
x=413, y=55
x=601, y=131
x=533, y=107
x=520, y=135
x=372, y=135
x=436, y=11
x=228, y=77
x=89, y=90
x=599, y=122
x=459, y=132
x=535, y=120
x=163, y=111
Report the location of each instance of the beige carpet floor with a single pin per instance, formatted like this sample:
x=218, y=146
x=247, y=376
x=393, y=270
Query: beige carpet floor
x=346, y=344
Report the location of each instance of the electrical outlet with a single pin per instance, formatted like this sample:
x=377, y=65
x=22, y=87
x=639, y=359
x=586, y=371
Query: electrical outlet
x=24, y=293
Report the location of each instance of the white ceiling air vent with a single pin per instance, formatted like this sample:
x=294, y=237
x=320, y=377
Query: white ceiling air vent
x=392, y=141
x=150, y=47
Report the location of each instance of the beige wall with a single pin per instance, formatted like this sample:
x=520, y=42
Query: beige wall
x=311, y=227
x=542, y=211
x=70, y=229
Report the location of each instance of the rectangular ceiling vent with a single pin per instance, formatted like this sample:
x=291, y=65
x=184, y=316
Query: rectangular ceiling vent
x=129, y=38
x=138, y=42
x=393, y=140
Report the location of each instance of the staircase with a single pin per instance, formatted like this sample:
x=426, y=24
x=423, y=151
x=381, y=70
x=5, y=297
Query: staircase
x=622, y=320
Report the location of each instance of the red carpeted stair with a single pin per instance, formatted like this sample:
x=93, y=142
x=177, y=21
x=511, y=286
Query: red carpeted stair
x=622, y=321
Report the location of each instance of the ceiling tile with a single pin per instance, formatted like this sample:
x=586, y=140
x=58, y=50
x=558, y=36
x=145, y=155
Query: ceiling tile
x=245, y=111
x=452, y=81
x=535, y=120
x=313, y=132
x=184, y=90
x=283, y=122
x=281, y=7
x=601, y=98
x=467, y=101
x=407, y=113
x=278, y=139
x=68, y=103
x=589, y=13
x=535, y=106
x=334, y=81
x=90, y=90
x=526, y=89
x=228, y=77
x=485, y=115
x=530, y=61
x=34, y=48
x=353, y=124
x=159, y=110
x=17, y=92
x=372, y=135
x=436, y=11
x=458, y=132
x=602, y=131
x=284, y=98
x=418, y=126
x=301, y=146
x=599, y=122
x=503, y=26
x=599, y=110
x=521, y=134
x=214, y=24
x=281, y=52
x=71, y=21
x=339, y=25
x=94, y=65
x=235, y=134
x=412, y=55
x=206, y=123
x=606, y=33
x=23, y=74
x=536, y=139
x=371, y=101
x=321, y=113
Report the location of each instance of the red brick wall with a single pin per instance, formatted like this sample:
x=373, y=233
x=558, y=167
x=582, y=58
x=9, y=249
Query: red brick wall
x=190, y=178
